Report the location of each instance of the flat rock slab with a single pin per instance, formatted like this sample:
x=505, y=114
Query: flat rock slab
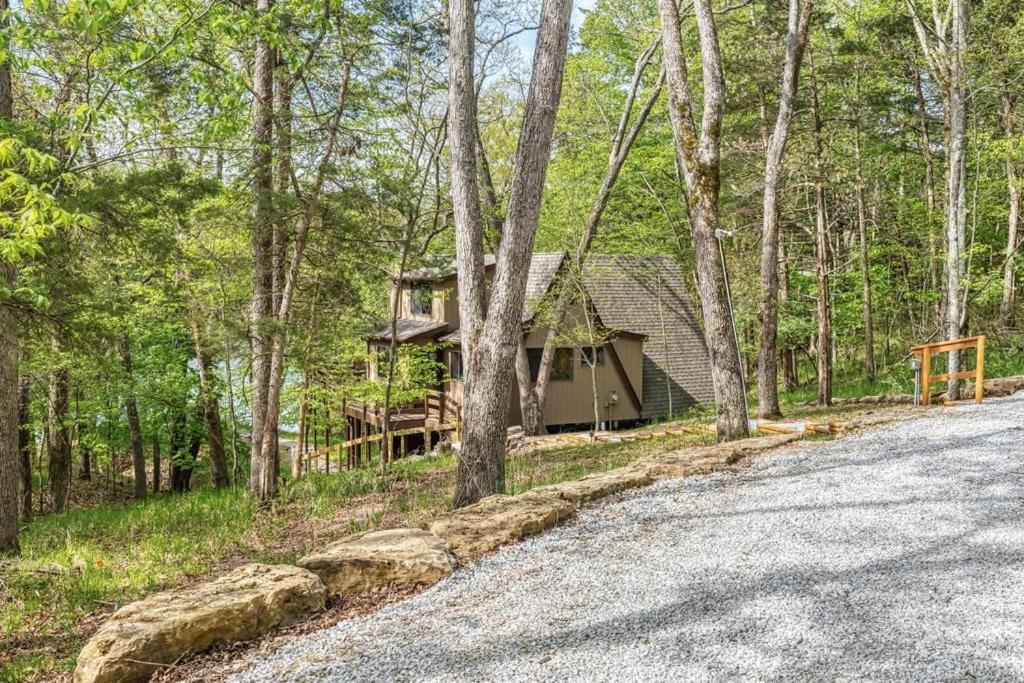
x=141, y=637
x=598, y=485
x=498, y=520
x=380, y=558
x=706, y=459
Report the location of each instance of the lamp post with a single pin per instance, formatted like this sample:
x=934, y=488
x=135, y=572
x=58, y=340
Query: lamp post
x=721, y=234
x=915, y=367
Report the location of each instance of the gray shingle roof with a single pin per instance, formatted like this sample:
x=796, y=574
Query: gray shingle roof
x=543, y=268
x=647, y=295
x=409, y=329
x=443, y=270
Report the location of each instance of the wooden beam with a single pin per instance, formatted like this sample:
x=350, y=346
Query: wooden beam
x=621, y=371
x=979, y=371
x=947, y=376
x=951, y=345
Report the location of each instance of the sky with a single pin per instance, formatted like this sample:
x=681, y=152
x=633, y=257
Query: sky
x=527, y=41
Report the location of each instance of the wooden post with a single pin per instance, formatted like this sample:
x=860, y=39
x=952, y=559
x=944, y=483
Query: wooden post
x=926, y=375
x=402, y=445
x=979, y=371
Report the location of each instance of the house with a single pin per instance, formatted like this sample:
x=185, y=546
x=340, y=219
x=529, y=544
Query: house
x=653, y=361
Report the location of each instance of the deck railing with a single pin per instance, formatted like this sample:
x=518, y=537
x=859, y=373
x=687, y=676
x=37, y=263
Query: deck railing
x=441, y=414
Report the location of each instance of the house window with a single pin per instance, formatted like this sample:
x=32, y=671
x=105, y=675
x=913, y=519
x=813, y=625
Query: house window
x=592, y=355
x=561, y=364
x=421, y=298
x=456, y=365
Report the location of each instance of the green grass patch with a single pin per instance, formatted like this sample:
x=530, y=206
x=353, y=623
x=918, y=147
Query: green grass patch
x=78, y=566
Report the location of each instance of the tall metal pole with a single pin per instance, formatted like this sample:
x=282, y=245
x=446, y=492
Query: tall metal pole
x=721, y=234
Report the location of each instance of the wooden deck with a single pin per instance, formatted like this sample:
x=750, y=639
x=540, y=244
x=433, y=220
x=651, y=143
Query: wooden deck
x=411, y=427
x=434, y=409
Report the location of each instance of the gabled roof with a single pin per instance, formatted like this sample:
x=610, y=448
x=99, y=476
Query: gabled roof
x=543, y=268
x=647, y=295
x=409, y=329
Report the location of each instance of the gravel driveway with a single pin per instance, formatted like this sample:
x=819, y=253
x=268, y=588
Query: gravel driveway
x=897, y=554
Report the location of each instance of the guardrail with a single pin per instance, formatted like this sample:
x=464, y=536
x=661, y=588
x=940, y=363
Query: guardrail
x=924, y=353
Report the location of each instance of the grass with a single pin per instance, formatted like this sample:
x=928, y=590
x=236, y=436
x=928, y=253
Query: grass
x=78, y=566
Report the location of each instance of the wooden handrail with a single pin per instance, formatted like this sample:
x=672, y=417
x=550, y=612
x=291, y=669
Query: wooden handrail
x=925, y=351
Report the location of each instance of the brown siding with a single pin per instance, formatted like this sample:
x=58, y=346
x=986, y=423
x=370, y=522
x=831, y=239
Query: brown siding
x=572, y=402
x=438, y=307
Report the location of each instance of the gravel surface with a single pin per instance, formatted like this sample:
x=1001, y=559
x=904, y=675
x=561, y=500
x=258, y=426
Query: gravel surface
x=896, y=554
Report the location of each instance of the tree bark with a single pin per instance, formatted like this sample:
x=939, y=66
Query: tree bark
x=9, y=397
x=929, y=181
x=956, y=186
x=84, y=448
x=698, y=154
x=58, y=441
x=945, y=57
x=156, y=464
x=211, y=410
x=821, y=254
x=767, y=359
x=263, y=480
x=862, y=233
x=25, y=446
x=490, y=329
x=9, y=401
x=1009, y=298
x=134, y=428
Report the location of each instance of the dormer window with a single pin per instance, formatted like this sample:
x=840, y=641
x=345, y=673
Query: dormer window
x=421, y=298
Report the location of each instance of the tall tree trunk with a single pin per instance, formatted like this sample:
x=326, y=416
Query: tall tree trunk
x=9, y=413
x=84, y=450
x=862, y=233
x=211, y=410
x=299, y=452
x=1009, y=299
x=698, y=154
x=956, y=186
x=9, y=467
x=263, y=479
x=929, y=181
x=533, y=393
x=945, y=55
x=25, y=446
x=389, y=375
x=59, y=441
x=489, y=329
x=269, y=453
x=181, y=439
x=134, y=428
x=789, y=359
x=821, y=254
x=156, y=464
x=767, y=360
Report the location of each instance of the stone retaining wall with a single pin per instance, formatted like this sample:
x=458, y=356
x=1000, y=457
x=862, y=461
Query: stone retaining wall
x=144, y=636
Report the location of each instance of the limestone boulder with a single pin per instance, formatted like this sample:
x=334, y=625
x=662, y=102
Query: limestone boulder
x=399, y=556
x=1003, y=386
x=707, y=459
x=498, y=520
x=143, y=636
x=598, y=485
